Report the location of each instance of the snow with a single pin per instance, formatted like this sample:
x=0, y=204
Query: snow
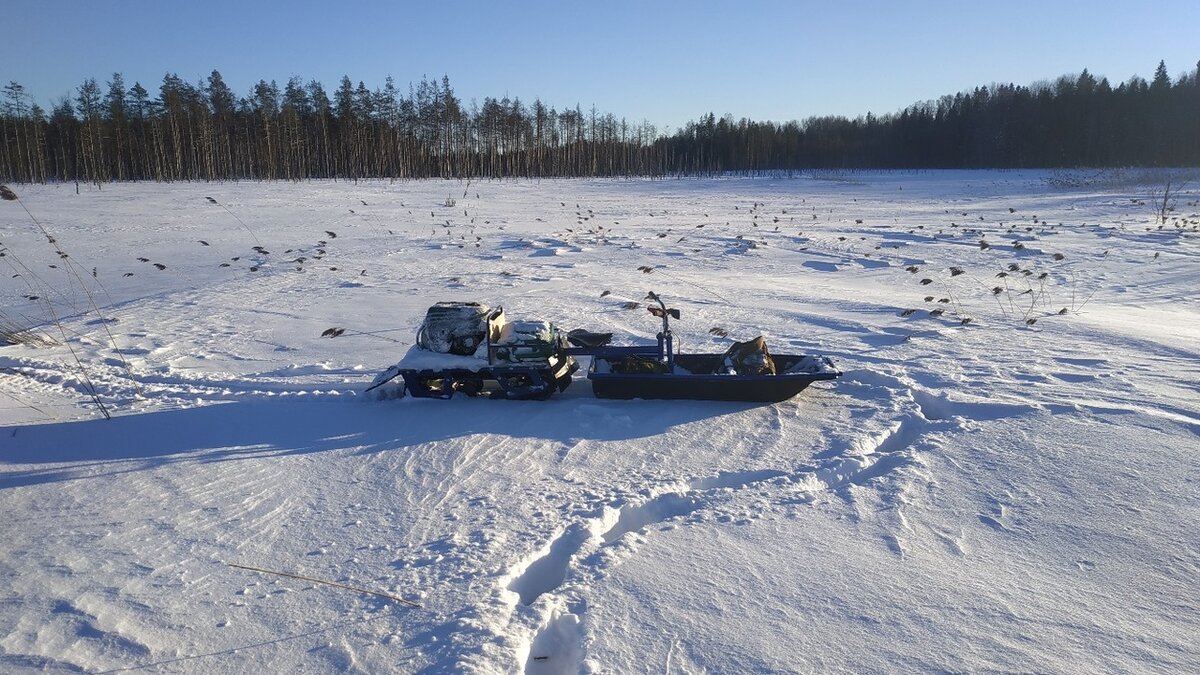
x=417, y=358
x=995, y=495
x=517, y=331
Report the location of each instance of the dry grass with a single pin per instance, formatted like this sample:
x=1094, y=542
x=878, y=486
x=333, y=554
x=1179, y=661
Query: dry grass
x=13, y=332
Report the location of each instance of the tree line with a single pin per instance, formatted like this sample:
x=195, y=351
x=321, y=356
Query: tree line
x=206, y=132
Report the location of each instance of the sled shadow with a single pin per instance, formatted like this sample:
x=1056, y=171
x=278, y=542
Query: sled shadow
x=265, y=427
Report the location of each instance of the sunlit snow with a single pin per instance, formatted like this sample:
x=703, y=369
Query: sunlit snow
x=1004, y=479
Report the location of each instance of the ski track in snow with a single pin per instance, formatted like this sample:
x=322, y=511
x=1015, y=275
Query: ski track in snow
x=239, y=434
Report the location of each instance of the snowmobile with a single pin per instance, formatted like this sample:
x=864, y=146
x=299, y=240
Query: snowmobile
x=473, y=349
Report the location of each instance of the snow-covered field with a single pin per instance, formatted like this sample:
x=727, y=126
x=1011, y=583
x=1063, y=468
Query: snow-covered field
x=1019, y=493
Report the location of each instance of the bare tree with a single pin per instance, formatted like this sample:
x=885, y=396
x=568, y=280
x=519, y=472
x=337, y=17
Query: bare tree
x=1164, y=197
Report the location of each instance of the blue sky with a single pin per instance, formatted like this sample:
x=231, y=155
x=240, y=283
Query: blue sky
x=667, y=62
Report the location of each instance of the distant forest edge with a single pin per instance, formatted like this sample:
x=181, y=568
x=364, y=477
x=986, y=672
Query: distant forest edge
x=206, y=132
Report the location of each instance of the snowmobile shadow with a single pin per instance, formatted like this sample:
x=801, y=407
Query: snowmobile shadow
x=258, y=428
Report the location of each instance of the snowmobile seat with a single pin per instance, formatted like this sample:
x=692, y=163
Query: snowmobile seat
x=583, y=338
